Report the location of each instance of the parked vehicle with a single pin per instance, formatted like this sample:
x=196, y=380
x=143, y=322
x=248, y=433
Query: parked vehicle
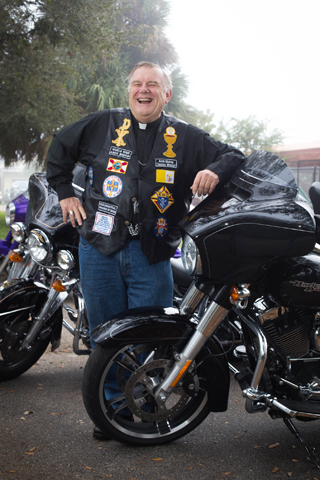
x=15, y=212
x=252, y=249
x=31, y=304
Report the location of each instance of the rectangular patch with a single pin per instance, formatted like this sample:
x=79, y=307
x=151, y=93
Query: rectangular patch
x=165, y=163
x=108, y=208
x=103, y=224
x=165, y=176
x=118, y=166
x=120, y=152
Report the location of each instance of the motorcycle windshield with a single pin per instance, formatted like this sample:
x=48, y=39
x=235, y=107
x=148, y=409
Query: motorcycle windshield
x=43, y=208
x=257, y=216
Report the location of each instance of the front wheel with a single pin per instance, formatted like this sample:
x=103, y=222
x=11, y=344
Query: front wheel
x=118, y=387
x=13, y=360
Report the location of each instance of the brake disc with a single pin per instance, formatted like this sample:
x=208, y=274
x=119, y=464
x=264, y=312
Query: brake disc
x=10, y=348
x=141, y=386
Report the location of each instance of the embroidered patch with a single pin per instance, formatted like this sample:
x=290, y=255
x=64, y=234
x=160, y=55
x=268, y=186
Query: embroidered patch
x=162, y=199
x=103, y=223
x=165, y=176
x=108, y=208
x=90, y=175
x=122, y=131
x=118, y=166
x=165, y=163
x=120, y=152
x=161, y=227
x=112, y=186
x=170, y=138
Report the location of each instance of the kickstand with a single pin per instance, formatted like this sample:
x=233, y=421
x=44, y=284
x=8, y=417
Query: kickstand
x=310, y=451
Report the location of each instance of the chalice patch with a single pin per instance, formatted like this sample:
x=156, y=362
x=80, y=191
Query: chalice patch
x=161, y=227
x=162, y=199
x=170, y=138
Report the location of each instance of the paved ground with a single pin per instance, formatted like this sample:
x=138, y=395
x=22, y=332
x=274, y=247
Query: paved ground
x=45, y=434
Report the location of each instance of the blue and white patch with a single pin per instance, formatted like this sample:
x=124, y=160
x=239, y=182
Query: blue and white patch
x=103, y=223
x=90, y=175
x=112, y=186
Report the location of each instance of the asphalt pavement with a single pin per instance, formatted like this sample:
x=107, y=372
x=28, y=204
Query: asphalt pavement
x=45, y=433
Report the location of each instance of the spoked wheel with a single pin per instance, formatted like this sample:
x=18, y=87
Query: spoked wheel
x=118, y=393
x=13, y=360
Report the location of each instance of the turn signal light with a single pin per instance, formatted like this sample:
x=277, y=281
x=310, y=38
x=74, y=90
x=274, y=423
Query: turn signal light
x=57, y=286
x=234, y=293
x=15, y=257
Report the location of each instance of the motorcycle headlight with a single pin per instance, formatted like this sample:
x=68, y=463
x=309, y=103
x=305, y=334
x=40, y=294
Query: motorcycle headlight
x=39, y=246
x=190, y=256
x=10, y=213
x=65, y=260
x=18, y=231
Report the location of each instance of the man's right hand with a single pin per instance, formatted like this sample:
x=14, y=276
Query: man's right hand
x=72, y=208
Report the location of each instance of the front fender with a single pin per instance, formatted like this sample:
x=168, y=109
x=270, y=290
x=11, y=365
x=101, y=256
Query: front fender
x=157, y=326
x=143, y=325
x=17, y=294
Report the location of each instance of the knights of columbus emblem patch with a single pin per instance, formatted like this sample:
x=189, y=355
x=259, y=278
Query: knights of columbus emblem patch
x=162, y=199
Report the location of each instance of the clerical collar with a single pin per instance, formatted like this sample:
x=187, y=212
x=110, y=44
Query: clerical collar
x=146, y=126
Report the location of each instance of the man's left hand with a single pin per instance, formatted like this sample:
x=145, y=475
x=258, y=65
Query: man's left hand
x=205, y=182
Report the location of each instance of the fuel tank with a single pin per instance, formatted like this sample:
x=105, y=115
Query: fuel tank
x=295, y=281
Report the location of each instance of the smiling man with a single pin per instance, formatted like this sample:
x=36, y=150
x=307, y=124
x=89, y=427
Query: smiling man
x=142, y=168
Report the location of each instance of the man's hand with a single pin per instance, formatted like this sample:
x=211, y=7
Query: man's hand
x=205, y=182
x=72, y=208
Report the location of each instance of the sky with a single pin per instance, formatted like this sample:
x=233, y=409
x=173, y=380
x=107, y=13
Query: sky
x=252, y=57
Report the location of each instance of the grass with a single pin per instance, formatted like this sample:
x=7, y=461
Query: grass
x=4, y=229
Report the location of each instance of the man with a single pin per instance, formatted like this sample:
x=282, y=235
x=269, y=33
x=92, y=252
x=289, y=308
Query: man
x=141, y=165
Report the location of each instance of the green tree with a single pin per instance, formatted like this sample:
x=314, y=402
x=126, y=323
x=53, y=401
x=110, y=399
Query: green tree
x=102, y=85
x=248, y=134
x=42, y=45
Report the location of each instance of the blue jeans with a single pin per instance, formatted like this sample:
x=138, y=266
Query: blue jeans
x=114, y=283
x=122, y=280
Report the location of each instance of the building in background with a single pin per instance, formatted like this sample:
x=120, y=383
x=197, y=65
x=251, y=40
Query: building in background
x=304, y=161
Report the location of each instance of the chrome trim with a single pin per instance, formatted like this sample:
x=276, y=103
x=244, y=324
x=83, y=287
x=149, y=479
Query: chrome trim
x=207, y=325
x=261, y=361
x=17, y=310
x=191, y=300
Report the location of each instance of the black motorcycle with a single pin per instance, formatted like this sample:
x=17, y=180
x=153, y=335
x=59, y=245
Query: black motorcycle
x=251, y=248
x=47, y=281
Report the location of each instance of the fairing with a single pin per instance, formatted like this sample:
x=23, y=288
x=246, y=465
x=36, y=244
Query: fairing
x=257, y=216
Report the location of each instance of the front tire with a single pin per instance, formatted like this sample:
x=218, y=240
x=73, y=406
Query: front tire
x=131, y=415
x=13, y=360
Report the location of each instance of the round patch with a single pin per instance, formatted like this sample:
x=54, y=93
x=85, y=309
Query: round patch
x=161, y=227
x=112, y=186
x=90, y=175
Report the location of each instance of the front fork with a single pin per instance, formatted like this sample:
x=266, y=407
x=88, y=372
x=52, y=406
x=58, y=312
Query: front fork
x=54, y=301
x=205, y=328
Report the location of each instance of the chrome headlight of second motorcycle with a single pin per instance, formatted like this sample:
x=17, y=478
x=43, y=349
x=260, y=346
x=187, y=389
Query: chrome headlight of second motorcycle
x=39, y=246
x=65, y=260
x=19, y=231
x=10, y=213
x=190, y=256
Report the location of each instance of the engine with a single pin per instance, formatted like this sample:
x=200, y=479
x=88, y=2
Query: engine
x=294, y=330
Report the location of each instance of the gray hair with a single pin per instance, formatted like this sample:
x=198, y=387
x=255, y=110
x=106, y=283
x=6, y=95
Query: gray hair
x=167, y=78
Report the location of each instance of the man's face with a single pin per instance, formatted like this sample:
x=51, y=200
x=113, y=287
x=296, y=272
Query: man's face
x=147, y=95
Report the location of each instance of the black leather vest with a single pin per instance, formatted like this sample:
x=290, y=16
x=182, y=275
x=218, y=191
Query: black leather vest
x=115, y=187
